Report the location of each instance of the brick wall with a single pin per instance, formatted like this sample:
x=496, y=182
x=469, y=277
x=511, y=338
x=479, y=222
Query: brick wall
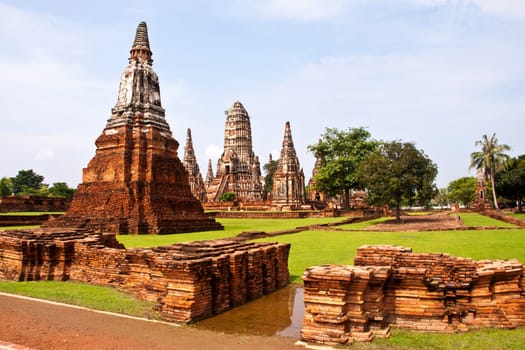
x=187, y=281
x=391, y=286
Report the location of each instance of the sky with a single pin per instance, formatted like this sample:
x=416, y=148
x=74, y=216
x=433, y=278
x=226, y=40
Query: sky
x=439, y=73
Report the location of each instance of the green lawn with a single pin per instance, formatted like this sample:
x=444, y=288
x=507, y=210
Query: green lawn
x=82, y=294
x=477, y=220
x=338, y=247
x=30, y=213
x=232, y=227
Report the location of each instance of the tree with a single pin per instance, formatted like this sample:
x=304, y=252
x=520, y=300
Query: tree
x=341, y=153
x=441, y=198
x=489, y=159
x=227, y=197
x=462, y=190
x=61, y=189
x=398, y=173
x=510, y=181
x=27, y=182
x=6, y=187
x=269, y=169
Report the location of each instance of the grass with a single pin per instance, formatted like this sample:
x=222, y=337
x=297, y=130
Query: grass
x=82, y=294
x=232, y=227
x=337, y=247
x=518, y=215
x=7, y=228
x=478, y=220
x=487, y=339
x=30, y=213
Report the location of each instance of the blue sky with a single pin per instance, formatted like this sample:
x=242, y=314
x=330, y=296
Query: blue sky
x=440, y=73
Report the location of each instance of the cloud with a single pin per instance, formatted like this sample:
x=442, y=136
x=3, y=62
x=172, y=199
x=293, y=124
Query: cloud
x=45, y=154
x=303, y=10
x=512, y=9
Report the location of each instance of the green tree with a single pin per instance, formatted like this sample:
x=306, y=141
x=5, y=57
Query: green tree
x=269, y=169
x=27, y=181
x=462, y=190
x=441, y=198
x=510, y=181
x=398, y=173
x=341, y=153
x=61, y=189
x=6, y=187
x=227, y=197
x=489, y=159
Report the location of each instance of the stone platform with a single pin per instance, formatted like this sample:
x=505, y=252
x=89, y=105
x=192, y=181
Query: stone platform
x=187, y=281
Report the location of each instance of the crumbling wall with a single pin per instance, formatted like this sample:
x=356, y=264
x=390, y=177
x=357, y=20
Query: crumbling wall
x=187, y=281
x=391, y=286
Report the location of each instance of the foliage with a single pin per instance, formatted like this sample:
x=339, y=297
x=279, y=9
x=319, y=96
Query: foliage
x=489, y=159
x=82, y=294
x=398, y=173
x=510, y=181
x=462, y=190
x=341, y=153
x=227, y=197
x=6, y=187
x=61, y=189
x=269, y=169
x=27, y=182
x=441, y=198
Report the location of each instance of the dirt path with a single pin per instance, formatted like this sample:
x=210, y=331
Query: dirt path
x=46, y=326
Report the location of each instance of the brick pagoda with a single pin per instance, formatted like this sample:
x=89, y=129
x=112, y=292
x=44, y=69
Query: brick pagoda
x=192, y=167
x=288, y=179
x=238, y=169
x=136, y=183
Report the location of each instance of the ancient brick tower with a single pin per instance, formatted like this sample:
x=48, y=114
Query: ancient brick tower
x=288, y=179
x=481, y=202
x=238, y=169
x=192, y=168
x=313, y=194
x=136, y=182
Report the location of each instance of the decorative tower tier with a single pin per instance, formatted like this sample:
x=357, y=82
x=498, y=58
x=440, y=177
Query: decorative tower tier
x=136, y=182
x=192, y=168
x=288, y=179
x=238, y=169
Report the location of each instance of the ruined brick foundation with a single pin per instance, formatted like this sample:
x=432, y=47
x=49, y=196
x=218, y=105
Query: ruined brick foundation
x=391, y=286
x=187, y=281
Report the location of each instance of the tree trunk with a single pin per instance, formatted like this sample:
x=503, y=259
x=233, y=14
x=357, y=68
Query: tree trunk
x=520, y=206
x=398, y=212
x=347, y=199
x=493, y=189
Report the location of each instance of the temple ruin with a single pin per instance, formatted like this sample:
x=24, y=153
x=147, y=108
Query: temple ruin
x=288, y=180
x=192, y=167
x=238, y=168
x=392, y=286
x=136, y=183
x=187, y=281
x=313, y=194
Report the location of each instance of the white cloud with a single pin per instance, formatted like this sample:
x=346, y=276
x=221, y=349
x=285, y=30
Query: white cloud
x=304, y=10
x=513, y=9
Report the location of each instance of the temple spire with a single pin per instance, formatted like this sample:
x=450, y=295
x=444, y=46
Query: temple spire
x=140, y=50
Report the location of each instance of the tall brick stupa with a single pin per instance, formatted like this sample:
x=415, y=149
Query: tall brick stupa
x=136, y=183
x=238, y=168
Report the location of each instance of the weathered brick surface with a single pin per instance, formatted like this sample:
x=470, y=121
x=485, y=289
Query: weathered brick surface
x=391, y=286
x=187, y=281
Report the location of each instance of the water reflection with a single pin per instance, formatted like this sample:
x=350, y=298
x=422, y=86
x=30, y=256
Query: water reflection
x=279, y=313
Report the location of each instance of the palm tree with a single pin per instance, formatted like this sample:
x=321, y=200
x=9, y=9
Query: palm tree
x=488, y=159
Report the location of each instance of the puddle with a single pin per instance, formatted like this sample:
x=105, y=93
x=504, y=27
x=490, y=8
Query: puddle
x=279, y=313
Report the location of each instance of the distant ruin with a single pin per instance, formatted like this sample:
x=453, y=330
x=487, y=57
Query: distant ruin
x=288, y=180
x=136, y=183
x=238, y=168
x=187, y=281
x=198, y=189
x=391, y=286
